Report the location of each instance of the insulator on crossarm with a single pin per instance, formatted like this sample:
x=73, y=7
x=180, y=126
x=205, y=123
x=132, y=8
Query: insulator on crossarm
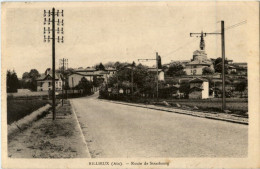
x=57, y=12
x=49, y=13
x=58, y=22
x=44, y=13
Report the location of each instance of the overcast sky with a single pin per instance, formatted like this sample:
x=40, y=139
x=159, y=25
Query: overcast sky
x=115, y=31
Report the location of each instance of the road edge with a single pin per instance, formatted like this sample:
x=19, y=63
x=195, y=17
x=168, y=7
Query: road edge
x=81, y=133
x=172, y=111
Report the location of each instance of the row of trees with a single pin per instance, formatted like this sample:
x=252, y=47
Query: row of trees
x=28, y=80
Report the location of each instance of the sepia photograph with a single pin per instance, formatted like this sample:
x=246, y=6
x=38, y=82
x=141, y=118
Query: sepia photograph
x=130, y=84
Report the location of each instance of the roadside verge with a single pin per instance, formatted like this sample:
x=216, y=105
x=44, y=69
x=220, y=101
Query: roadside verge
x=46, y=138
x=209, y=115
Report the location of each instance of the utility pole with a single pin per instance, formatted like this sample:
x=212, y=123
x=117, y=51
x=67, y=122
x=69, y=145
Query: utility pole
x=63, y=66
x=51, y=20
x=157, y=78
x=132, y=80
x=223, y=66
x=223, y=58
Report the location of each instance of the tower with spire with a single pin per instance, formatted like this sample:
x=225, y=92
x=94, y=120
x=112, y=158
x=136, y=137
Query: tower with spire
x=200, y=54
x=199, y=59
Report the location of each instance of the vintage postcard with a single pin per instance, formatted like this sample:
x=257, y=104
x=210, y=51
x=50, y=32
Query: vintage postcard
x=130, y=84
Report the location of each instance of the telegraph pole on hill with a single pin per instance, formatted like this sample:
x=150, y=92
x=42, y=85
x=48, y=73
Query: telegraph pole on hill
x=51, y=20
x=157, y=78
x=63, y=66
x=223, y=58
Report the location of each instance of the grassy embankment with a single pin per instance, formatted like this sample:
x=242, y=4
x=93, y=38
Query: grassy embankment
x=237, y=106
x=19, y=108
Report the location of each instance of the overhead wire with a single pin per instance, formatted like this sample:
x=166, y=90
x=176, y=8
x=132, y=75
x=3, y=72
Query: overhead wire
x=227, y=28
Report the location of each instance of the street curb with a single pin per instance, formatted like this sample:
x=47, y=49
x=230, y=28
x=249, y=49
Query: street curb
x=81, y=133
x=200, y=116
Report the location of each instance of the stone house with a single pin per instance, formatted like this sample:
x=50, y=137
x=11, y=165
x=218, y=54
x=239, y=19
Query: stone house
x=199, y=89
x=44, y=82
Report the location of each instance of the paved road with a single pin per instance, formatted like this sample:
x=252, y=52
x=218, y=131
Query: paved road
x=114, y=130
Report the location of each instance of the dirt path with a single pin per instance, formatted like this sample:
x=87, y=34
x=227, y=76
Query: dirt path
x=50, y=139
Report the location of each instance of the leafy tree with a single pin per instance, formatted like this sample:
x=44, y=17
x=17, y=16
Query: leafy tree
x=218, y=65
x=33, y=74
x=97, y=82
x=12, y=82
x=25, y=75
x=85, y=85
x=176, y=69
x=100, y=67
x=207, y=71
x=241, y=87
x=185, y=88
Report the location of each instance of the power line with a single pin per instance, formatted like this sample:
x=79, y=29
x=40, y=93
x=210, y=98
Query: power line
x=227, y=28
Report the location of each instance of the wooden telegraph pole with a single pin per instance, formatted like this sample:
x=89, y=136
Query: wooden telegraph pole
x=223, y=58
x=51, y=20
x=157, y=78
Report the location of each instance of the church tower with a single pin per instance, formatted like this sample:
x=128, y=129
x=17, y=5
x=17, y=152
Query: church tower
x=200, y=55
x=202, y=43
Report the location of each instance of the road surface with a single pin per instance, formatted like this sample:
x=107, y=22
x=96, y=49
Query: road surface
x=121, y=131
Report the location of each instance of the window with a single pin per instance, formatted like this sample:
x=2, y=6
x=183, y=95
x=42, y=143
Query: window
x=49, y=84
x=41, y=84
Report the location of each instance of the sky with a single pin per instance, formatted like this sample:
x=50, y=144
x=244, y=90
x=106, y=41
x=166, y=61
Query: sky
x=97, y=32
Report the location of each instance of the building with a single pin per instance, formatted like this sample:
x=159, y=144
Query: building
x=199, y=89
x=75, y=77
x=160, y=73
x=44, y=82
x=89, y=73
x=199, y=60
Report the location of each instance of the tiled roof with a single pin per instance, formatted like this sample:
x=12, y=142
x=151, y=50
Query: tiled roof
x=195, y=89
x=197, y=80
x=199, y=62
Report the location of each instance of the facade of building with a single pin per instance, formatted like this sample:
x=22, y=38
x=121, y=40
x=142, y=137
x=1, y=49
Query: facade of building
x=89, y=73
x=199, y=60
x=160, y=73
x=199, y=89
x=44, y=82
x=75, y=77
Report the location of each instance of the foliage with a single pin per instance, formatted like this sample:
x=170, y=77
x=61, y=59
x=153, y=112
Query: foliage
x=97, y=81
x=218, y=65
x=29, y=80
x=185, y=88
x=12, y=82
x=100, y=67
x=241, y=87
x=207, y=71
x=176, y=69
x=85, y=85
x=25, y=75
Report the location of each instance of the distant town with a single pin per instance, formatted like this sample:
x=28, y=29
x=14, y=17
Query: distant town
x=197, y=78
